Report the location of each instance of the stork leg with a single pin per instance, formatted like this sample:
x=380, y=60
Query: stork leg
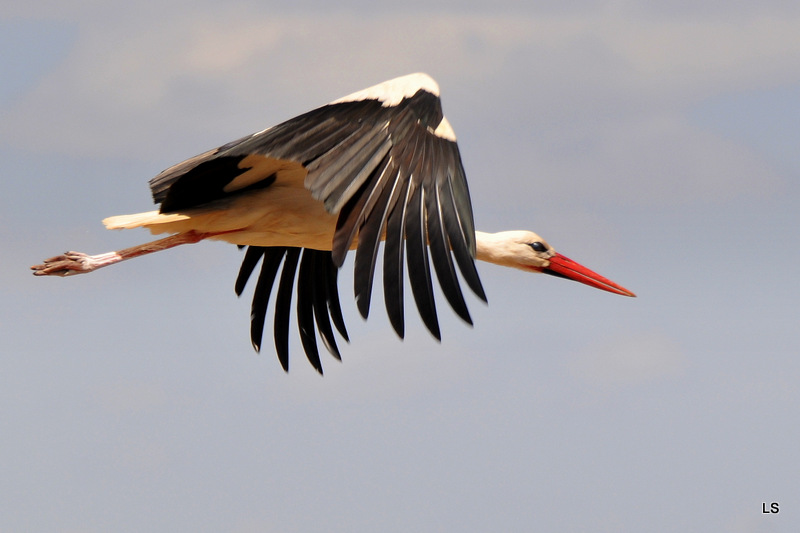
x=71, y=263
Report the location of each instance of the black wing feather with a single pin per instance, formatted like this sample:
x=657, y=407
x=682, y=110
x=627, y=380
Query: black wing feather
x=332, y=293
x=258, y=311
x=369, y=237
x=283, y=306
x=321, y=298
x=440, y=255
x=458, y=243
x=251, y=258
x=305, y=310
x=393, y=260
x=418, y=267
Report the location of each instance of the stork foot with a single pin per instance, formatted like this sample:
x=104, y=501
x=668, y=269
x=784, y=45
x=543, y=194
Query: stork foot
x=71, y=263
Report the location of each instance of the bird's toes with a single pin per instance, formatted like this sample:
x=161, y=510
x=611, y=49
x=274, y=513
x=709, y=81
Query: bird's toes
x=66, y=264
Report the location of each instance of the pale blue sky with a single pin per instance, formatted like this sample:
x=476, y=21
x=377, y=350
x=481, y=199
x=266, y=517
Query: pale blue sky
x=654, y=142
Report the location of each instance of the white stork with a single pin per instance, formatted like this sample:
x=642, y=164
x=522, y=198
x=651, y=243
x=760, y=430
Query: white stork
x=379, y=164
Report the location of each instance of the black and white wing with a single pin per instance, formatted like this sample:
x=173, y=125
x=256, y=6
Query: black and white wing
x=386, y=162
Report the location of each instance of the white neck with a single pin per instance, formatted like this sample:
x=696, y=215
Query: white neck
x=492, y=248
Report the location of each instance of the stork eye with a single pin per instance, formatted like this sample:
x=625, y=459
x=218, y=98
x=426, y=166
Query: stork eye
x=537, y=246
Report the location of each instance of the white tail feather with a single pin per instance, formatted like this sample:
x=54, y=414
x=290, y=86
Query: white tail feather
x=139, y=220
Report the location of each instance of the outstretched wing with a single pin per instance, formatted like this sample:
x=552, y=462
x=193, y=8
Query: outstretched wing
x=385, y=160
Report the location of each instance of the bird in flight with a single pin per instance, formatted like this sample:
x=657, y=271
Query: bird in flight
x=381, y=164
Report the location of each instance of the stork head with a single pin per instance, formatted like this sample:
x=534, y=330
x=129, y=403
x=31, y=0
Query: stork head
x=526, y=250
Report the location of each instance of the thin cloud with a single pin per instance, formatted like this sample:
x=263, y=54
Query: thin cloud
x=518, y=83
x=249, y=60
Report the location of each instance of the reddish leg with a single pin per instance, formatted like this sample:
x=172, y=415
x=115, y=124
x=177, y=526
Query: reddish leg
x=71, y=263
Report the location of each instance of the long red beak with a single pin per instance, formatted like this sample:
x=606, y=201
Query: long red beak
x=564, y=267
